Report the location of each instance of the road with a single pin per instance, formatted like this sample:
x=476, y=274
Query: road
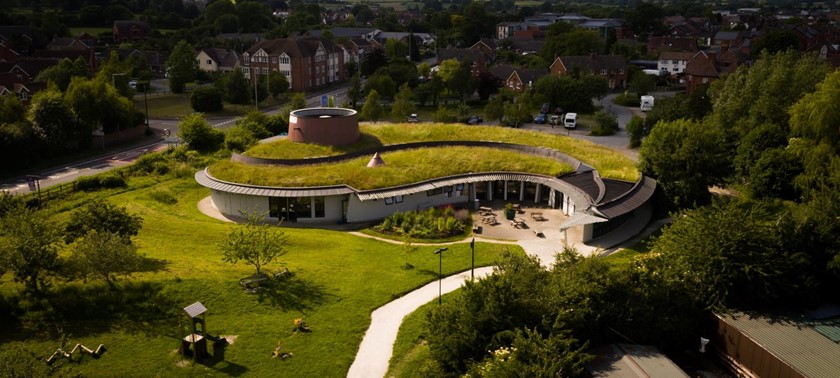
x=124, y=155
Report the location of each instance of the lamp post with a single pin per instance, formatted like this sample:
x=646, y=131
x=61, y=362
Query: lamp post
x=472, y=266
x=146, y=100
x=439, y=252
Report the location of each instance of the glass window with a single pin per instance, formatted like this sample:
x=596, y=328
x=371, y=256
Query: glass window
x=303, y=207
x=603, y=71
x=319, y=207
x=274, y=206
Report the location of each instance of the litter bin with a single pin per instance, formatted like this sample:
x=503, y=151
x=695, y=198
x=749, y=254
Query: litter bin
x=477, y=204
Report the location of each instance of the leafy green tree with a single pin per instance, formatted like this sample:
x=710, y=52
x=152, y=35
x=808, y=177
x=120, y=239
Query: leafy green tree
x=298, y=101
x=206, y=100
x=424, y=70
x=277, y=84
x=383, y=85
x=815, y=116
x=256, y=243
x=99, y=106
x=595, y=86
x=372, y=110
x=571, y=43
x=181, y=66
x=533, y=354
x=198, y=134
x=642, y=84
x=54, y=121
x=236, y=88
x=351, y=68
x=519, y=112
x=65, y=70
x=746, y=266
x=644, y=18
x=116, y=72
x=373, y=62
x=395, y=50
x=28, y=248
x=462, y=81
x=104, y=217
x=606, y=124
x=686, y=158
x=775, y=41
x=447, y=69
x=104, y=255
x=495, y=109
x=636, y=130
x=403, y=103
x=355, y=90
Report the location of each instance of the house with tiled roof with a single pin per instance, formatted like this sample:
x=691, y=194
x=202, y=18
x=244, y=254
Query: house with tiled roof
x=217, y=60
x=516, y=79
x=131, y=31
x=673, y=62
x=611, y=67
x=18, y=85
x=7, y=54
x=60, y=43
x=659, y=44
x=701, y=69
x=307, y=62
x=8, y=33
x=487, y=46
x=87, y=56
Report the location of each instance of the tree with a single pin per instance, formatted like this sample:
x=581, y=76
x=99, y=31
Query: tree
x=462, y=81
x=298, y=101
x=104, y=217
x=53, y=120
x=236, y=88
x=277, y=84
x=486, y=85
x=63, y=72
x=104, y=255
x=686, y=158
x=745, y=266
x=257, y=243
x=198, y=134
x=403, y=103
x=519, y=112
x=644, y=18
x=206, y=100
x=532, y=354
x=351, y=68
x=775, y=41
x=495, y=109
x=815, y=116
x=395, y=50
x=642, y=84
x=574, y=42
x=373, y=62
x=98, y=106
x=181, y=66
x=384, y=85
x=28, y=241
x=355, y=90
x=372, y=110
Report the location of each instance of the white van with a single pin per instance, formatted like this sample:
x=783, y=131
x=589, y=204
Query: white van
x=646, y=103
x=570, y=120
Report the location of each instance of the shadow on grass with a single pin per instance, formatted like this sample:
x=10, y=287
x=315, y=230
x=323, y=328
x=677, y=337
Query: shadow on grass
x=78, y=311
x=217, y=361
x=291, y=293
x=427, y=272
x=152, y=265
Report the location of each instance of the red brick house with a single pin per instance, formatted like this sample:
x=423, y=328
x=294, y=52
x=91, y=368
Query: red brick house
x=517, y=79
x=701, y=69
x=611, y=67
x=307, y=62
x=131, y=31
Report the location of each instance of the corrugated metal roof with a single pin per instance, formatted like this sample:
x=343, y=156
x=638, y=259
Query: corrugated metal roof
x=204, y=179
x=587, y=182
x=195, y=309
x=628, y=361
x=629, y=201
x=795, y=342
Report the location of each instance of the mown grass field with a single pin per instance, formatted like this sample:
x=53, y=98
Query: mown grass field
x=338, y=279
x=177, y=105
x=609, y=163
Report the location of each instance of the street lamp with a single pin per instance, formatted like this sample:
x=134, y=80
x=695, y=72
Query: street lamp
x=439, y=252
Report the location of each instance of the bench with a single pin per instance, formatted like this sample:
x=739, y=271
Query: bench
x=538, y=217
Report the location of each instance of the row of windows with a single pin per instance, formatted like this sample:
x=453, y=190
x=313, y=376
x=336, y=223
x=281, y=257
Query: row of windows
x=296, y=208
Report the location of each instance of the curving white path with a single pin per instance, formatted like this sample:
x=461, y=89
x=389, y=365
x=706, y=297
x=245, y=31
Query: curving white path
x=378, y=344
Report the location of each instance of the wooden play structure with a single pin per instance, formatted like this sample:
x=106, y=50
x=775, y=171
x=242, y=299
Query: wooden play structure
x=195, y=343
x=78, y=348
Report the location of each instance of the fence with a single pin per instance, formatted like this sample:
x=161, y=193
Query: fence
x=38, y=198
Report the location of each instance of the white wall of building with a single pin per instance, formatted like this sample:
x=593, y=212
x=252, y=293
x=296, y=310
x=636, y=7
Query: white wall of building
x=671, y=66
x=366, y=211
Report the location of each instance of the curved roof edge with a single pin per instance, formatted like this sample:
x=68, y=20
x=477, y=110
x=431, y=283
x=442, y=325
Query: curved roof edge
x=204, y=178
x=633, y=199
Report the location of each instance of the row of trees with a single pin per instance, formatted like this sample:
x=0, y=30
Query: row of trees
x=97, y=238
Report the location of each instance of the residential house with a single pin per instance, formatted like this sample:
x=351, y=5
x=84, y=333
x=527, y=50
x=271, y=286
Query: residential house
x=517, y=79
x=523, y=45
x=88, y=56
x=486, y=46
x=156, y=62
x=701, y=69
x=131, y=31
x=828, y=51
x=17, y=85
x=357, y=48
x=307, y=62
x=657, y=45
x=424, y=39
x=26, y=69
x=611, y=67
x=16, y=36
x=7, y=54
x=477, y=57
x=342, y=32
x=76, y=43
x=673, y=62
x=217, y=60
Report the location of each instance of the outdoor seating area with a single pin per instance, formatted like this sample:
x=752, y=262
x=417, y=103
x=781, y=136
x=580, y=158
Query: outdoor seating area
x=518, y=223
x=538, y=216
x=532, y=221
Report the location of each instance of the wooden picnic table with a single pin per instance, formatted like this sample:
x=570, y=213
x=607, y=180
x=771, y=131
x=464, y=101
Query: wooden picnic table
x=537, y=216
x=484, y=210
x=489, y=219
x=518, y=222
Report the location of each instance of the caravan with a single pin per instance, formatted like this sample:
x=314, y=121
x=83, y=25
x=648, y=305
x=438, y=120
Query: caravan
x=646, y=103
x=570, y=120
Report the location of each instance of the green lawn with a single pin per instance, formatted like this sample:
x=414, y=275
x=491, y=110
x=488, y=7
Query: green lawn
x=93, y=31
x=401, y=167
x=338, y=279
x=177, y=105
x=609, y=163
x=410, y=348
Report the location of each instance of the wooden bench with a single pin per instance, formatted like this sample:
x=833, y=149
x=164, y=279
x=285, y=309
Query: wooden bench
x=538, y=217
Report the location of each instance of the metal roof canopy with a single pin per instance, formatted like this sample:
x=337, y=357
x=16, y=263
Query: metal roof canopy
x=579, y=219
x=195, y=309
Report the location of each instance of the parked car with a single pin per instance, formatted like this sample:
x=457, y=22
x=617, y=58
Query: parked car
x=540, y=119
x=132, y=84
x=413, y=118
x=474, y=120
